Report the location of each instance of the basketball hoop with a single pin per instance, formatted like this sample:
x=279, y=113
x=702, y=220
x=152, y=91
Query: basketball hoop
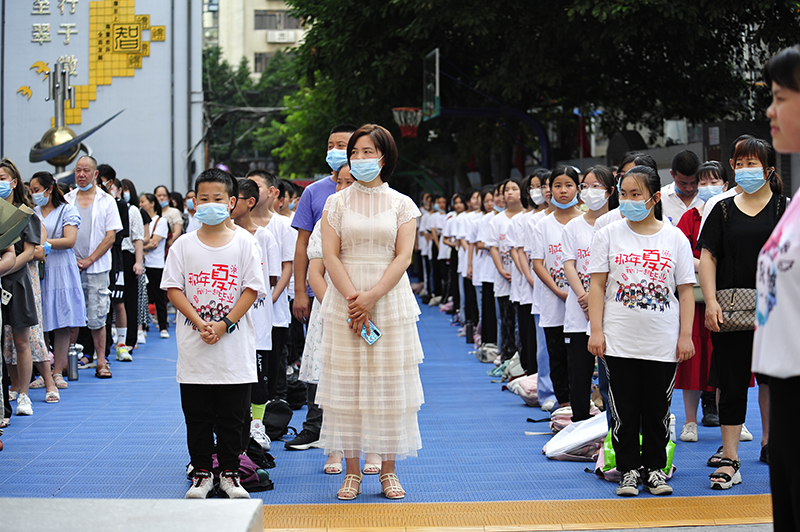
x=408, y=118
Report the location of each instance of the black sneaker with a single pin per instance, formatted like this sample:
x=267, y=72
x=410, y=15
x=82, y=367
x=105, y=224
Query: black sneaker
x=710, y=414
x=305, y=440
x=629, y=485
x=656, y=483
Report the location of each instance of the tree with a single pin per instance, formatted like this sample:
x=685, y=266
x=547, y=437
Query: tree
x=640, y=61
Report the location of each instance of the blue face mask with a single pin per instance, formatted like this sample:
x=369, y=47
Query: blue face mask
x=336, y=158
x=499, y=209
x=437, y=208
x=365, y=170
x=633, y=210
x=564, y=205
x=292, y=205
x=126, y=196
x=708, y=192
x=86, y=188
x=40, y=199
x=190, y=204
x=5, y=189
x=163, y=204
x=212, y=213
x=750, y=179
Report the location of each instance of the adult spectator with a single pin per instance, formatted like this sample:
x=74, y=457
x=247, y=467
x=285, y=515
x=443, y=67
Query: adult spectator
x=100, y=223
x=681, y=195
x=190, y=203
x=173, y=216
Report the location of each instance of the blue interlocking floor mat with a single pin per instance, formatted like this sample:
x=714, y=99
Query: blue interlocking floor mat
x=124, y=438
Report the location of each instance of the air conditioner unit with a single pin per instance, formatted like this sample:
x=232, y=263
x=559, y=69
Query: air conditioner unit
x=280, y=36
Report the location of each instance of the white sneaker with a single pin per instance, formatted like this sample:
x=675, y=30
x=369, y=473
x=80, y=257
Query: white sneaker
x=24, y=407
x=745, y=435
x=164, y=333
x=689, y=432
x=230, y=487
x=434, y=301
x=548, y=405
x=12, y=396
x=141, y=337
x=113, y=335
x=123, y=354
x=259, y=433
x=202, y=485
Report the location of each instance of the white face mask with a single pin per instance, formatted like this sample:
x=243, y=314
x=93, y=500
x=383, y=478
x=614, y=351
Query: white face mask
x=594, y=198
x=537, y=196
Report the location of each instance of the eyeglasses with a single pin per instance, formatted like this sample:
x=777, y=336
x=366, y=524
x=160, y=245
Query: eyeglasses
x=584, y=186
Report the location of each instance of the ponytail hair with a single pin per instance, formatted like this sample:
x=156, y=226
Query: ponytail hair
x=648, y=179
x=46, y=180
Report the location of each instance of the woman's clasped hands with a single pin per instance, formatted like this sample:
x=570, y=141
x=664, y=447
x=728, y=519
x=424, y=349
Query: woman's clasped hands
x=359, y=305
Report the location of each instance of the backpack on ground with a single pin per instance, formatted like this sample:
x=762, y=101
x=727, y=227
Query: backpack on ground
x=606, y=466
x=251, y=476
x=277, y=416
x=514, y=369
x=578, y=442
x=295, y=392
x=259, y=456
x=487, y=353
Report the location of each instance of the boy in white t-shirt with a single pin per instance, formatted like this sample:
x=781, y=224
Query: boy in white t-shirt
x=213, y=276
x=261, y=310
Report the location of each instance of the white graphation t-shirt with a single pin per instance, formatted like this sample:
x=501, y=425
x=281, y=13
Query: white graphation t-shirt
x=262, y=308
x=577, y=243
x=497, y=237
x=213, y=279
x=547, y=245
x=641, y=315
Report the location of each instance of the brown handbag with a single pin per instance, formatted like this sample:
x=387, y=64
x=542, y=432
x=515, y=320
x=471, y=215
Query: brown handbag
x=738, y=309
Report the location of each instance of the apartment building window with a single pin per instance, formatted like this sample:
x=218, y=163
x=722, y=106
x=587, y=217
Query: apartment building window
x=274, y=20
x=267, y=20
x=260, y=62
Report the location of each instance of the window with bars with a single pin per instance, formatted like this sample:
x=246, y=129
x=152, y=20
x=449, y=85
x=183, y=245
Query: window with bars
x=260, y=62
x=274, y=20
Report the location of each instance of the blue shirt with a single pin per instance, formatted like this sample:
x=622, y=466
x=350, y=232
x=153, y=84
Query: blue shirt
x=309, y=209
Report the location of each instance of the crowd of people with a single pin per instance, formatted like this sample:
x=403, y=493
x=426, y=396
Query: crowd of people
x=571, y=269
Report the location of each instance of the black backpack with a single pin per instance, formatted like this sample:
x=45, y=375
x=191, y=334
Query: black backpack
x=277, y=416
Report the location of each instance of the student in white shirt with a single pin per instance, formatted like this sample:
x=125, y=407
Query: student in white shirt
x=438, y=250
x=482, y=275
x=469, y=306
x=775, y=351
x=521, y=289
x=640, y=327
x=598, y=193
x=540, y=195
x=499, y=207
x=500, y=248
x=548, y=264
x=452, y=242
x=631, y=159
x=213, y=276
x=154, y=257
x=424, y=244
x=681, y=195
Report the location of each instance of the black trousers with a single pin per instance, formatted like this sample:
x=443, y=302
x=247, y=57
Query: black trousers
x=640, y=393
x=559, y=364
x=439, y=278
x=527, y=339
x=470, y=301
x=313, y=422
x=259, y=394
x=452, y=280
x=157, y=295
x=488, y=315
x=276, y=364
x=732, y=359
x=581, y=369
x=296, y=340
x=784, y=433
x=130, y=297
x=508, y=322
x=215, y=408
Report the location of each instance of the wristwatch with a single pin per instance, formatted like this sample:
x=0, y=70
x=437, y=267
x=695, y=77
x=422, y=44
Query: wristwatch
x=231, y=325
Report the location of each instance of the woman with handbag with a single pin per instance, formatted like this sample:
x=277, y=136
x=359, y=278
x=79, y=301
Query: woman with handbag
x=730, y=242
x=776, y=337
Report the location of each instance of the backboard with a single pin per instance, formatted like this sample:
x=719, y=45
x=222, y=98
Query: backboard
x=430, y=85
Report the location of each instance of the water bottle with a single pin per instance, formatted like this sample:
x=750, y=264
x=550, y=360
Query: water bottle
x=72, y=364
x=470, y=333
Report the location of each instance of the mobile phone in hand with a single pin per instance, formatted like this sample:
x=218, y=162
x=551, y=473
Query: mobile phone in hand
x=374, y=334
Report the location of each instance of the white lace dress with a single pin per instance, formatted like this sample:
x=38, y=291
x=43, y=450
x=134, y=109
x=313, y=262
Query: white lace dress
x=311, y=365
x=370, y=394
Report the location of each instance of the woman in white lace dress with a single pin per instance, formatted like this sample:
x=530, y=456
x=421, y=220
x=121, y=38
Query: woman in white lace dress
x=370, y=393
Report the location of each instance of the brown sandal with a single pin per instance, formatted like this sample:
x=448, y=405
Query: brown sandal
x=103, y=371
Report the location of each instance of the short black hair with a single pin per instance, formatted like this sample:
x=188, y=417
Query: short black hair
x=568, y=171
x=686, y=162
x=384, y=142
x=284, y=188
x=784, y=69
x=155, y=190
x=343, y=128
x=85, y=156
x=269, y=178
x=105, y=171
x=638, y=159
x=248, y=189
x=177, y=197
x=215, y=175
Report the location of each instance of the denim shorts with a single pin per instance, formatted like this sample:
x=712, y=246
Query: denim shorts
x=97, y=297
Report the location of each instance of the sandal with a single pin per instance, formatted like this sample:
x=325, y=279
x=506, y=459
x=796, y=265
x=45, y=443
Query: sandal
x=372, y=469
x=333, y=468
x=351, y=488
x=727, y=481
x=61, y=384
x=392, y=487
x=52, y=397
x=85, y=363
x=37, y=383
x=715, y=458
x=5, y=423
x=103, y=371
